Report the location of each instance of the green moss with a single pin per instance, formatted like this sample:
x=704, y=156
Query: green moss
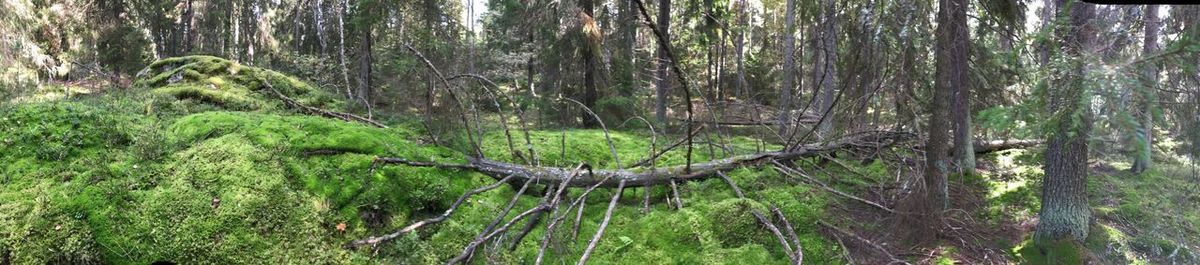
x=1064, y=252
x=227, y=84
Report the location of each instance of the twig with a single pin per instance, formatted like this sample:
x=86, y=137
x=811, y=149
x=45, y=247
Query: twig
x=864, y=240
x=579, y=215
x=600, y=232
x=520, y=114
x=665, y=46
x=791, y=233
x=503, y=213
x=474, y=244
x=612, y=148
x=434, y=220
x=668, y=148
x=462, y=111
x=314, y=110
x=762, y=219
x=554, y=221
x=788, y=171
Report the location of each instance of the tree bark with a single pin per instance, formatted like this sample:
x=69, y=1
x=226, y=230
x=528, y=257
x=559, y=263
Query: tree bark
x=1064, y=211
x=956, y=54
x=590, y=41
x=789, y=45
x=663, y=87
x=827, y=77
x=1145, y=130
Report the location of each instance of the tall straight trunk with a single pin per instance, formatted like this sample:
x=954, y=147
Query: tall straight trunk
x=1065, y=213
x=629, y=34
x=342, y=48
x=188, y=14
x=956, y=48
x=364, y=68
x=1145, y=130
x=319, y=19
x=827, y=78
x=660, y=100
x=789, y=45
x=936, y=164
x=739, y=44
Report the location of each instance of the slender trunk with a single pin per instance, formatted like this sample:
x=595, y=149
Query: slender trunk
x=628, y=59
x=1065, y=212
x=739, y=50
x=320, y=30
x=1049, y=11
x=342, y=48
x=365, y=61
x=663, y=87
x=956, y=51
x=789, y=45
x=1145, y=129
x=828, y=74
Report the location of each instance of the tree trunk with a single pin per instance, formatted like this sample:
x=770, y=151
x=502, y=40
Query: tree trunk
x=827, y=77
x=1145, y=130
x=789, y=45
x=956, y=47
x=364, y=68
x=739, y=45
x=1065, y=212
x=342, y=48
x=663, y=87
x=628, y=59
x=590, y=41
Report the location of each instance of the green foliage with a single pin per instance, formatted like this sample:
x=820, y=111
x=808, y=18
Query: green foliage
x=124, y=49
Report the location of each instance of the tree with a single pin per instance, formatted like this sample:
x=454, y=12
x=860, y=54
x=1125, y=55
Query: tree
x=826, y=77
x=1064, y=210
x=1144, y=134
x=948, y=74
x=663, y=85
x=789, y=61
x=956, y=42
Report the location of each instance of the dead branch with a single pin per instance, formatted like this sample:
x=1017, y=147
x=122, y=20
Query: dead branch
x=503, y=121
x=579, y=215
x=318, y=111
x=791, y=233
x=453, y=97
x=762, y=219
x=864, y=240
x=792, y=172
x=434, y=220
x=554, y=221
x=665, y=45
x=612, y=148
x=647, y=160
x=503, y=213
x=604, y=223
x=467, y=251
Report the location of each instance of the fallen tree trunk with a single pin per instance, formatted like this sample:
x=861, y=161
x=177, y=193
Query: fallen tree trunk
x=650, y=177
x=985, y=147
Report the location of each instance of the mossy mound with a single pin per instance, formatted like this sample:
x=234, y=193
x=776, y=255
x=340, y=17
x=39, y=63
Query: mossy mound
x=204, y=167
x=227, y=84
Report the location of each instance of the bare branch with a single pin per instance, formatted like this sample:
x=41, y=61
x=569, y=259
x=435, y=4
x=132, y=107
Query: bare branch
x=587, y=252
x=434, y=220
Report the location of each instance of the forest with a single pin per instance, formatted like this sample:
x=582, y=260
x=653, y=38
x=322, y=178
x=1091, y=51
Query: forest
x=599, y=131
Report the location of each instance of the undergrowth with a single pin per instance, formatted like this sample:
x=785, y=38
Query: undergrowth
x=200, y=165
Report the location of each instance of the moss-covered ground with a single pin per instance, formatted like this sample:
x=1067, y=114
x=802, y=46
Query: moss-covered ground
x=1147, y=218
x=197, y=165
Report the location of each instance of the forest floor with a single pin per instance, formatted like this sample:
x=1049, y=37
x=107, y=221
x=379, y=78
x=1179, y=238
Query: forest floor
x=199, y=164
